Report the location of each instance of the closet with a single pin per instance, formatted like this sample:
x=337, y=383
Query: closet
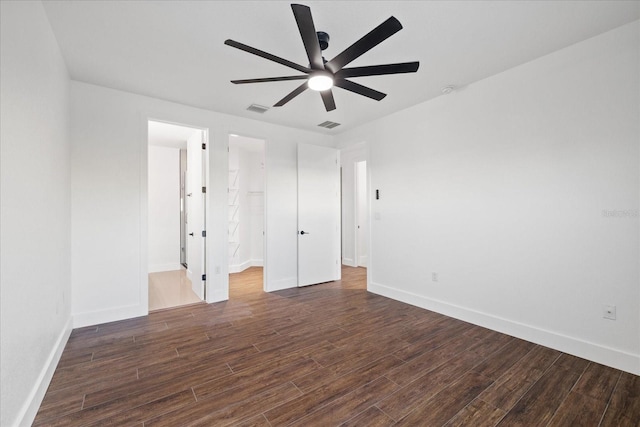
x=246, y=203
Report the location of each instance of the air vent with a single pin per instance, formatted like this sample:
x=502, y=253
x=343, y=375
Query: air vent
x=328, y=124
x=257, y=108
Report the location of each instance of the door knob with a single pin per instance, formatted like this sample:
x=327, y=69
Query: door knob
x=304, y=232
x=191, y=234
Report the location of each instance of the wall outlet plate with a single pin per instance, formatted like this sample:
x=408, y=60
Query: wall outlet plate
x=609, y=312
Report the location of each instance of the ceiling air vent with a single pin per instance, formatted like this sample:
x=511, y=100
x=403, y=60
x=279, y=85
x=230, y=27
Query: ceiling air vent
x=328, y=124
x=257, y=108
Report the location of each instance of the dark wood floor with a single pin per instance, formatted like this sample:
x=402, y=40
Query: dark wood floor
x=325, y=355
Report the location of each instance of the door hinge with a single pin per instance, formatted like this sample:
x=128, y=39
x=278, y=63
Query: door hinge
x=204, y=189
x=204, y=233
x=204, y=277
x=204, y=146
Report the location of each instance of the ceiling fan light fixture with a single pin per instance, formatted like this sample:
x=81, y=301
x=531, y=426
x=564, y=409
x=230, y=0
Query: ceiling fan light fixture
x=321, y=75
x=320, y=82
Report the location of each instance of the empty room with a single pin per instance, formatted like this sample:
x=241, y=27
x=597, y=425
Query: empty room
x=446, y=234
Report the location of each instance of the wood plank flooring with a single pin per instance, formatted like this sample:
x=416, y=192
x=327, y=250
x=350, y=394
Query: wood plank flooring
x=326, y=355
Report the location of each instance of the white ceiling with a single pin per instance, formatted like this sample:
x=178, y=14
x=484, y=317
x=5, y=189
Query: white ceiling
x=174, y=50
x=169, y=135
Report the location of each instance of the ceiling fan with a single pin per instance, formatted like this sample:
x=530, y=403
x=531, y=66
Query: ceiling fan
x=321, y=75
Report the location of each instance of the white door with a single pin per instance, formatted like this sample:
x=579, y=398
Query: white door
x=362, y=217
x=195, y=214
x=318, y=215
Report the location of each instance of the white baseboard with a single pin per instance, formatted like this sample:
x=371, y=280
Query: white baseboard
x=349, y=262
x=598, y=353
x=30, y=408
x=278, y=285
x=111, y=315
x=238, y=268
x=172, y=266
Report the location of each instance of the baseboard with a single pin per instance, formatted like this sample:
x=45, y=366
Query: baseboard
x=158, y=268
x=111, y=315
x=32, y=404
x=601, y=354
x=278, y=285
x=363, y=261
x=239, y=268
x=349, y=262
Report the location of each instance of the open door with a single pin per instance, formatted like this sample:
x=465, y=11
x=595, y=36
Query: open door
x=195, y=220
x=318, y=215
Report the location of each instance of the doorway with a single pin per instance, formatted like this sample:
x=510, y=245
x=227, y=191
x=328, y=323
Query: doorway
x=356, y=200
x=246, y=212
x=177, y=171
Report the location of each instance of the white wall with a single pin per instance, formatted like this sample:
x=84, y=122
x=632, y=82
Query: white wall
x=164, y=209
x=501, y=188
x=35, y=211
x=109, y=198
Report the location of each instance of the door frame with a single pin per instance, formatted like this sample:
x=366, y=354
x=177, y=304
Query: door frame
x=144, y=203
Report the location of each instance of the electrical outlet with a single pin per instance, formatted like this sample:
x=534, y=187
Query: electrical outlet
x=434, y=277
x=609, y=312
x=217, y=269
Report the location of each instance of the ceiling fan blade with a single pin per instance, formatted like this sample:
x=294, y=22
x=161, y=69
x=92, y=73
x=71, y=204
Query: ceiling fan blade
x=327, y=98
x=266, y=55
x=369, y=41
x=379, y=70
x=359, y=89
x=269, y=79
x=308, y=33
x=297, y=91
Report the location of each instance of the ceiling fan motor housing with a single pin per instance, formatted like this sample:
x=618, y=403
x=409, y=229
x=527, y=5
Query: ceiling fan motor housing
x=323, y=39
